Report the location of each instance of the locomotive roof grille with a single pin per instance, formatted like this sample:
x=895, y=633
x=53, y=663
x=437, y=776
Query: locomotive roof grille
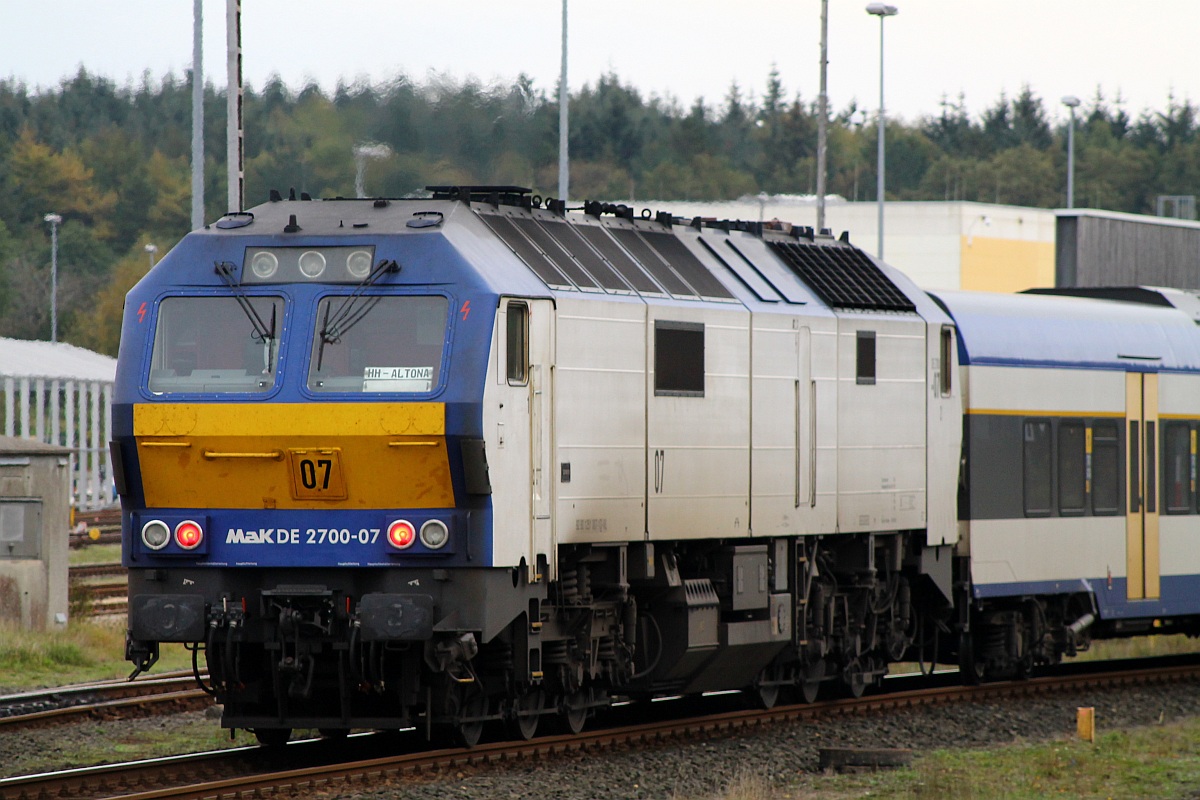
x=612, y=259
x=843, y=277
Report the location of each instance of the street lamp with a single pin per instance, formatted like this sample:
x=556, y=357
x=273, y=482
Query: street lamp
x=151, y=249
x=881, y=10
x=54, y=220
x=1071, y=102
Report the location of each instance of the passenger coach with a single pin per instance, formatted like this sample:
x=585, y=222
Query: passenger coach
x=1078, y=495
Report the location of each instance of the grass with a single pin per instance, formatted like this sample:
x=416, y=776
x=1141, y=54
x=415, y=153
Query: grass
x=112, y=742
x=1105, y=650
x=1160, y=761
x=1151, y=762
x=84, y=651
x=95, y=554
x=1140, y=647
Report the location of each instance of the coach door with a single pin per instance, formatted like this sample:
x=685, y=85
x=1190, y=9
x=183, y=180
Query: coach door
x=1141, y=522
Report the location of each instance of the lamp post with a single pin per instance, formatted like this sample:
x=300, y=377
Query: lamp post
x=564, y=102
x=1071, y=102
x=881, y=10
x=54, y=220
x=822, y=117
x=151, y=249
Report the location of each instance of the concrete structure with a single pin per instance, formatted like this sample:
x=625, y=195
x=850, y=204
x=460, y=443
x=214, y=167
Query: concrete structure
x=62, y=395
x=940, y=245
x=34, y=519
x=1108, y=248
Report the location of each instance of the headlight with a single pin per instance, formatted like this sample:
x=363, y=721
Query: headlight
x=358, y=264
x=264, y=265
x=156, y=534
x=434, y=534
x=312, y=264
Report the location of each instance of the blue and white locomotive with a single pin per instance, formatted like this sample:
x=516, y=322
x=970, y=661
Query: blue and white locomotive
x=477, y=459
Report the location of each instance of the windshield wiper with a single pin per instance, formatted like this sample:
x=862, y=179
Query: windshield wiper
x=350, y=312
x=262, y=331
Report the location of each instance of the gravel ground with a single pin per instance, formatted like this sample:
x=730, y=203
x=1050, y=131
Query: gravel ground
x=778, y=755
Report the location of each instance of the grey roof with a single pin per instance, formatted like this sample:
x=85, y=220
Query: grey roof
x=10, y=445
x=20, y=358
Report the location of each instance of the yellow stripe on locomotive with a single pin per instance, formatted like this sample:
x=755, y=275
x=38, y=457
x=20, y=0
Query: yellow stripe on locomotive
x=293, y=456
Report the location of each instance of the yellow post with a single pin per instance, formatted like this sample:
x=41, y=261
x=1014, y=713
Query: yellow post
x=1085, y=724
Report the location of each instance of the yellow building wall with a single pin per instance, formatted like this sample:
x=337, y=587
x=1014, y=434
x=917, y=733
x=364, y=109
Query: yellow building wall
x=1005, y=265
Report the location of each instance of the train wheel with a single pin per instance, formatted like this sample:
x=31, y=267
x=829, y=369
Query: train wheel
x=468, y=730
x=766, y=689
x=272, y=737
x=856, y=680
x=810, y=684
x=574, y=712
x=526, y=714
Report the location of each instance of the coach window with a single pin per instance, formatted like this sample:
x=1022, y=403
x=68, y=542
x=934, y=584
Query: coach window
x=679, y=358
x=1177, y=467
x=517, y=340
x=864, y=371
x=1038, y=472
x=1106, y=469
x=1072, y=469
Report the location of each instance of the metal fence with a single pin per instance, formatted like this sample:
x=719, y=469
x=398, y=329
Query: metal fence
x=75, y=414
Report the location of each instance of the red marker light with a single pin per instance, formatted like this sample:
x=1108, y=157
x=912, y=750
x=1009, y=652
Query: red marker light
x=189, y=535
x=401, y=534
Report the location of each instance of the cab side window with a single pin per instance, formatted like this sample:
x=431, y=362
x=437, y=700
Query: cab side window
x=517, y=343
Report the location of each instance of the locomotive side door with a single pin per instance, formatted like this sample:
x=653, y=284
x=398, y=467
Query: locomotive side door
x=541, y=433
x=1141, y=521
x=520, y=435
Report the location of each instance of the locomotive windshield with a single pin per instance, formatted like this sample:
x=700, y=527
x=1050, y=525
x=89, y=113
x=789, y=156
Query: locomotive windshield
x=216, y=344
x=378, y=344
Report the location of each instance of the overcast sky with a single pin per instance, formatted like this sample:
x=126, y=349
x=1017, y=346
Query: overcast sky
x=1142, y=53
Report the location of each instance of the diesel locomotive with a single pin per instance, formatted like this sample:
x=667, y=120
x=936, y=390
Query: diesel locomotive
x=479, y=459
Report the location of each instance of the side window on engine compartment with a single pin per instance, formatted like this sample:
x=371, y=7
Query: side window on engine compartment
x=864, y=361
x=679, y=358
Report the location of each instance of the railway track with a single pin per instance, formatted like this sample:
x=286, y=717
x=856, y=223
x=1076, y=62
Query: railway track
x=100, y=589
x=105, y=522
x=166, y=693
x=304, y=767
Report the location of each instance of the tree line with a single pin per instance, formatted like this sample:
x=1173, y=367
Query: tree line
x=114, y=161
